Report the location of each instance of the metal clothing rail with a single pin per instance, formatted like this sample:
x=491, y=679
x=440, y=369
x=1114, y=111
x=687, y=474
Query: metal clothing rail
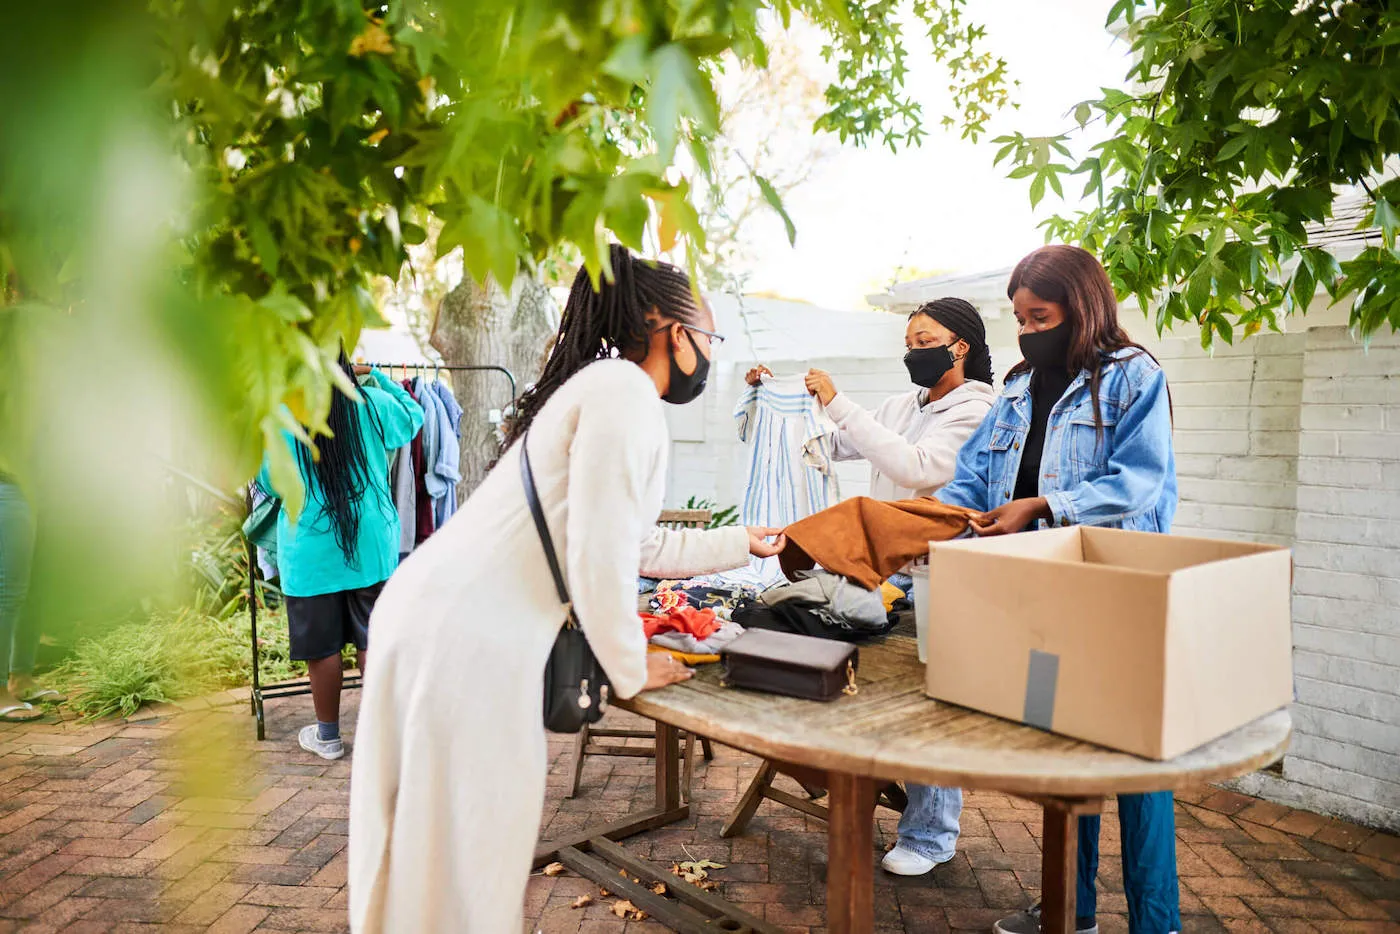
x=450, y=367
x=350, y=682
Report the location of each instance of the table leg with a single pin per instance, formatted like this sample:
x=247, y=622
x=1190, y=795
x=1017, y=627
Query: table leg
x=668, y=767
x=850, y=878
x=748, y=804
x=667, y=810
x=1059, y=860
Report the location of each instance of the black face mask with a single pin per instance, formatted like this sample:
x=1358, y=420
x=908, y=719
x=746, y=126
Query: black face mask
x=1047, y=350
x=927, y=365
x=686, y=387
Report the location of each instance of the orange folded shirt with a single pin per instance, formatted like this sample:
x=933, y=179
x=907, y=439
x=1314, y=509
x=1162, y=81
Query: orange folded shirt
x=699, y=623
x=866, y=540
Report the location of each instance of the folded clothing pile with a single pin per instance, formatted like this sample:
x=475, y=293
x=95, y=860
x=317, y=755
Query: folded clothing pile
x=689, y=630
x=822, y=604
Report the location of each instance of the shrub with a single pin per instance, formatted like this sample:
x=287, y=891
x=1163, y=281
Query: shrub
x=169, y=656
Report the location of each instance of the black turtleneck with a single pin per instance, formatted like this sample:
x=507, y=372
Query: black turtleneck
x=1047, y=387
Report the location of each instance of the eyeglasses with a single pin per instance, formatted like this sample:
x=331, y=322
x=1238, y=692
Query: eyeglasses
x=717, y=338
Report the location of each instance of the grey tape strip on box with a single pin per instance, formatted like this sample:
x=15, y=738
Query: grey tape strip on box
x=1041, y=676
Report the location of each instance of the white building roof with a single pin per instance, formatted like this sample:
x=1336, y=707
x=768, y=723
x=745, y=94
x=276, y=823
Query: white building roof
x=1343, y=235
x=986, y=290
x=774, y=329
x=395, y=345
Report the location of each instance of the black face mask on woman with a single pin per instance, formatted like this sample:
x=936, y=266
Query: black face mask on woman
x=686, y=387
x=927, y=365
x=1047, y=350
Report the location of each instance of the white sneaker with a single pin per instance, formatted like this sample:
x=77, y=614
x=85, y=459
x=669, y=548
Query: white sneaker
x=310, y=740
x=1028, y=922
x=902, y=862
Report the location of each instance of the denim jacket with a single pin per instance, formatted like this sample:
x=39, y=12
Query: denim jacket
x=1126, y=479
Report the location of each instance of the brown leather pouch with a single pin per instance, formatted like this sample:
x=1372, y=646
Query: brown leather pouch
x=786, y=663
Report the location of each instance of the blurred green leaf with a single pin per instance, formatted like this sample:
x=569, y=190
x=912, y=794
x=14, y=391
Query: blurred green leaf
x=775, y=201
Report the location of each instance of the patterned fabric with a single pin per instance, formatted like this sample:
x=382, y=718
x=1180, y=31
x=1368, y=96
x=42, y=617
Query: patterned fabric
x=791, y=473
x=791, y=448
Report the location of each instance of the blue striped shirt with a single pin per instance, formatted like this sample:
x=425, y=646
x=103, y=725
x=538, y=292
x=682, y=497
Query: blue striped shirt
x=791, y=446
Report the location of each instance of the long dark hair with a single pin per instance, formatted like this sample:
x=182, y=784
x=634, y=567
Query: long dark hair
x=961, y=317
x=341, y=468
x=609, y=321
x=1074, y=279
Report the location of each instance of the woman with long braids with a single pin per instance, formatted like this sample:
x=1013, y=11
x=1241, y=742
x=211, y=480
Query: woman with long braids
x=1082, y=435
x=334, y=559
x=912, y=439
x=448, y=789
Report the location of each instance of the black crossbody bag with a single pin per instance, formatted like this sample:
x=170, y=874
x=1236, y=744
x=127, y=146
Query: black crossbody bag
x=575, y=685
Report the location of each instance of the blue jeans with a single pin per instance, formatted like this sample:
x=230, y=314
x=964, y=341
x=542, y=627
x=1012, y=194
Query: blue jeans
x=1148, y=825
x=929, y=825
x=18, y=643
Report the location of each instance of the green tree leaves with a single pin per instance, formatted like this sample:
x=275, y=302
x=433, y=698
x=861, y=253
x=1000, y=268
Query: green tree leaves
x=1247, y=121
x=311, y=142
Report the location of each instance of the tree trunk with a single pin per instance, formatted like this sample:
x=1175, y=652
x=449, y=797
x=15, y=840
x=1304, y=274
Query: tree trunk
x=483, y=326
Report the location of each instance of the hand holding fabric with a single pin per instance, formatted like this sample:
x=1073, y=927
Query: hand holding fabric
x=820, y=385
x=1015, y=516
x=755, y=376
x=760, y=547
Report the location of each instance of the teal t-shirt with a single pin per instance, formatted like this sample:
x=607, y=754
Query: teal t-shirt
x=308, y=559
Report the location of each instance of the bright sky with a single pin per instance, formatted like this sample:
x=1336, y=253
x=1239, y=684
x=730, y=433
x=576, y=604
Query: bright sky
x=943, y=206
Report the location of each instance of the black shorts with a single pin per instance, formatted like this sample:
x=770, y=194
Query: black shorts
x=322, y=625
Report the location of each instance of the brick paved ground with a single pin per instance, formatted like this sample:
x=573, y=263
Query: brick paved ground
x=102, y=830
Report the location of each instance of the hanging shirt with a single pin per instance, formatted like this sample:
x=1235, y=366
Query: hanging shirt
x=432, y=435
x=405, y=486
x=791, y=451
x=423, y=523
x=449, y=460
x=791, y=446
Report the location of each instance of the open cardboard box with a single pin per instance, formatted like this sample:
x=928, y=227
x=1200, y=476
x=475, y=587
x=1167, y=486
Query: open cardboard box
x=1151, y=644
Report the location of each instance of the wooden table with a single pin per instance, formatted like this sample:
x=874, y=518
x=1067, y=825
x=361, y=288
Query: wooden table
x=891, y=731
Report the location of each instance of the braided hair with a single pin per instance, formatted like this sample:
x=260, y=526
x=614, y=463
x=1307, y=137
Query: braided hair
x=609, y=321
x=962, y=318
x=341, y=468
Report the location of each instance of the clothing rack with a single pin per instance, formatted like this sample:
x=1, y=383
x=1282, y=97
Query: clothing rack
x=302, y=686
x=450, y=367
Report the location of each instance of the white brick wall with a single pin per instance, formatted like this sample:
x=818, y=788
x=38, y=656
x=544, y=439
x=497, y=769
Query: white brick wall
x=1237, y=427
x=1345, y=758
x=1290, y=439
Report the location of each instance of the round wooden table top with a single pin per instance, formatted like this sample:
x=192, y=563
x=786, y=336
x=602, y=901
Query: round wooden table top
x=891, y=730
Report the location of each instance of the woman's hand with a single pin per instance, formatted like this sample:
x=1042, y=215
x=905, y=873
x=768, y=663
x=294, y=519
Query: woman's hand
x=820, y=385
x=755, y=376
x=760, y=547
x=361, y=370
x=663, y=669
x=1013, y=517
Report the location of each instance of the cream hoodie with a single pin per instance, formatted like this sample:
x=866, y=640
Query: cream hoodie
x=912, y=447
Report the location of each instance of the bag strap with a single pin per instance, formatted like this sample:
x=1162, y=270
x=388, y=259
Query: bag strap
x=532, y=499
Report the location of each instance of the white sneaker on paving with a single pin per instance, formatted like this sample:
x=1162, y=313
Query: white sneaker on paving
x=310, y=740
x=902, y=862
x=1028, y=922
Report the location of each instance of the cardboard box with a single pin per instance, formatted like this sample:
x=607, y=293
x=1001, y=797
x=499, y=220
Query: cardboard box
x=1151, y=644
